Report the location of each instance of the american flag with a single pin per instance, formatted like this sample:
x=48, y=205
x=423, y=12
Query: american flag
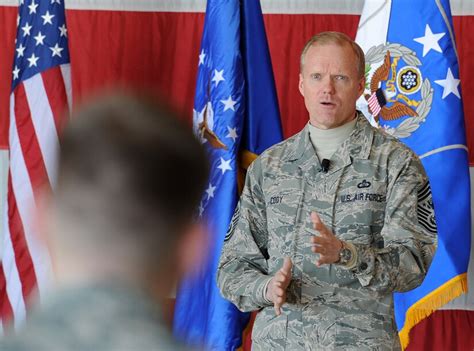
x=374, y=104
x=39, y=100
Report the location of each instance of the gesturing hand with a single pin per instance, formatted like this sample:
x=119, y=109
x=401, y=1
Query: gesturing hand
x=276, y=289
x=326, y=245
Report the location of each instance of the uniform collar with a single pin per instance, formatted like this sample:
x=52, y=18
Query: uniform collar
x=357, y=145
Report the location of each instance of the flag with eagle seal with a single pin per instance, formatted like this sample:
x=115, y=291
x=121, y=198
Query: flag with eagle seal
x=413, y=92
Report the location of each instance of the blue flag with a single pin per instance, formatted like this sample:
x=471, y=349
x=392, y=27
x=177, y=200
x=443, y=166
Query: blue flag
x=417, y=98
x=235, y=109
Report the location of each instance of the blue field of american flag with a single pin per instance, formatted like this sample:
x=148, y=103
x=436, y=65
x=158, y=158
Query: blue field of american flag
x=39, y=104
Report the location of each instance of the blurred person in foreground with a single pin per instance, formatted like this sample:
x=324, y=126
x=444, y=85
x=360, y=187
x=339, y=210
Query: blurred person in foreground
x=331, y=221
x=120, y=229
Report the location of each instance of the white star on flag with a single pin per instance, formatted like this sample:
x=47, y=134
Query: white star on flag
x=33, y=7
x=202, y=56
x=56, y=50
x=32, y=60
x=232, y=133
x=450, y=84
x=63, y=31
x=26, y=29
x=225, y=165
x=210, y=191
x=218, y=76
x=21, y=50
x=39, y=39
x=16, y=73
x=47, y=17
x=430, y=40
x=56, y=1
x=229, y=104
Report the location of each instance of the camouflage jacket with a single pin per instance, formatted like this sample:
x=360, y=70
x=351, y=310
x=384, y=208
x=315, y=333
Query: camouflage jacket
x=375, y=195
x=97, y=317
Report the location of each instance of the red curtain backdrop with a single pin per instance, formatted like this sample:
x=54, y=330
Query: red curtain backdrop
x=158, y=53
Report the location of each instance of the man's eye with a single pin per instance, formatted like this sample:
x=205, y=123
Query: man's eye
x=316, y=76
x=340, y=77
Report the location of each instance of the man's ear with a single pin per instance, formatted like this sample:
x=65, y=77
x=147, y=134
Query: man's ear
x=192, y=249
x=361, y=86
x=300, y=85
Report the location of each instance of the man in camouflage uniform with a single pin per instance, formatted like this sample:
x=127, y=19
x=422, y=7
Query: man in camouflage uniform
x=319, y=249
x=122, y=230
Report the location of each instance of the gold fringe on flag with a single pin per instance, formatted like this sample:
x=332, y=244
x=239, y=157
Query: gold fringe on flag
x=430, y=303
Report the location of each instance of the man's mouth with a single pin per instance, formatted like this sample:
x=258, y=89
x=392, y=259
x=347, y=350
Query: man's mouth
x=327, y=103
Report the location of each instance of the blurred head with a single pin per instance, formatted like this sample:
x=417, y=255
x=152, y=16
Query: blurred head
x=331, y=78
x=130, y=178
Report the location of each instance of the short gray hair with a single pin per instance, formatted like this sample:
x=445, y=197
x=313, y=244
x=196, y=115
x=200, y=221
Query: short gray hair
x=340, y=39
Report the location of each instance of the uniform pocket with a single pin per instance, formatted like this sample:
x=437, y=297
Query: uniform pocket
x=283, y=208
x=361, y=201
x=283, y=211
x=364, y=331
x=270, y=331
x=356, y=233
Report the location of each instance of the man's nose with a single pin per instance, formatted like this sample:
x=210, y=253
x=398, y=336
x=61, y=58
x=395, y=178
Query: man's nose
x=328, y=85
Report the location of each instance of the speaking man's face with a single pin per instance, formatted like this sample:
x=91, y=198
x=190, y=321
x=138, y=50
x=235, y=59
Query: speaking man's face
x=330, y=85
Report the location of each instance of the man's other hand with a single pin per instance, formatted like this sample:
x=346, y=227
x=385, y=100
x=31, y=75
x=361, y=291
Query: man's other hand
x=276, y=289
x=326, y=245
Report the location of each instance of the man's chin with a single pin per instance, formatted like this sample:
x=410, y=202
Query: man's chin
x=325, y=121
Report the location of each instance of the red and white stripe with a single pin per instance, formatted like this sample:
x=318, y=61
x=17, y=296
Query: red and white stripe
x=37, y=109
x=374, y=105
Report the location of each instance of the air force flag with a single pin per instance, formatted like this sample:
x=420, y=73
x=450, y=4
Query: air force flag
x=236, y=117
x=413, y=92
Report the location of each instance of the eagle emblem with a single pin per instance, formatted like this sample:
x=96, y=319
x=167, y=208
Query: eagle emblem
x=396, y=89
x=204, y=129
x=203, y=122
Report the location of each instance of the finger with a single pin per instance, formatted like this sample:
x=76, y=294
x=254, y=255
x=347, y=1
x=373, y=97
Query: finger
x=282, y=278
x=287, y=266
x=277, y=305
x=315, y=218
x=318, y=249
x=279, y=278
x=276, y=287
x=277, y=309
x=319, y=240
x=279, y=292
x=281, y=300
x=283, y=274
x=320, y=262
x=317, y=223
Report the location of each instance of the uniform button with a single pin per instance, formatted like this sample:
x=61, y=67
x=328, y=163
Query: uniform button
x=363, y=266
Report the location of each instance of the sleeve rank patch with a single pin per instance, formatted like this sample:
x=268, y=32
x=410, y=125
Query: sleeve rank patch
x=426, y=212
